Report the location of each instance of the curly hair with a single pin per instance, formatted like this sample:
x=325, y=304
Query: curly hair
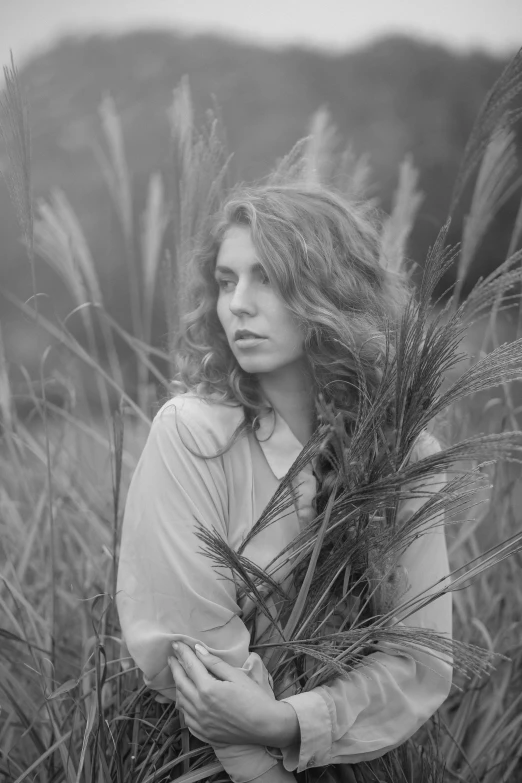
x=321, y=252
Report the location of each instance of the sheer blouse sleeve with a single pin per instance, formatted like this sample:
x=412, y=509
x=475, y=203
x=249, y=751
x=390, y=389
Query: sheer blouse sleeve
x=167, y=589
x=378, y=706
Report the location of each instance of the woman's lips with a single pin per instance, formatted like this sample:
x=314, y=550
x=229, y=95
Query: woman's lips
x=248, y=342
x=239, y=333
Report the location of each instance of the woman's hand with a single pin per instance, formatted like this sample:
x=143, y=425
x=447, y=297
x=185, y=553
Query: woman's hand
x=222, y=705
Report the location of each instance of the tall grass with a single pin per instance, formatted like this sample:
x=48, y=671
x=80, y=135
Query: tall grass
x=72, y=709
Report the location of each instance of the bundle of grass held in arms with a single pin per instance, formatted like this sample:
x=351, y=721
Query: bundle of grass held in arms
x=344, y=563
x=345, y=560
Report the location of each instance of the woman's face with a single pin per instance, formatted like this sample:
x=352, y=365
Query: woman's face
x=247, y=302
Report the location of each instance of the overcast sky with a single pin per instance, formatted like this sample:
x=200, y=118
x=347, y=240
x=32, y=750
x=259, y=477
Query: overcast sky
x=28, y=25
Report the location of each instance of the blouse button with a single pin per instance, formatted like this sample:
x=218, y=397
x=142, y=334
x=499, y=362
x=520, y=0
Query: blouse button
x=311, y=761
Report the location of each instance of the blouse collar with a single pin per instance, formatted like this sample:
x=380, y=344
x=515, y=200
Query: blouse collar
x=278, y=443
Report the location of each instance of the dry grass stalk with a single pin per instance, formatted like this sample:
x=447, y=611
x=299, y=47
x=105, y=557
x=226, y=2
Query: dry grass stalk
x=319, y=152
x=114, y=165
x=6, y=416
x=498, y=110
x=291, y=167
x=313, y=159
x=59, y=240
x=198, y=181
x=79, y=248
x=398, y=226
x=154, y=224
x=491, y=191
x=14, y=127
x=116, y=173
x=353, y=176
x=516, y=236
x=53, y=243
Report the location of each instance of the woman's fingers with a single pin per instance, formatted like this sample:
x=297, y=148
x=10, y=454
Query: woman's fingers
x=191, y=664
x=184, y=685
x=215, y=665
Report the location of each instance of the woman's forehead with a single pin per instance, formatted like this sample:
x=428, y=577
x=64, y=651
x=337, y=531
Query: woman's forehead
x=237, y=249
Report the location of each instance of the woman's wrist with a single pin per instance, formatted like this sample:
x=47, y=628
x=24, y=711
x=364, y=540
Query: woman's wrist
x=284, y=727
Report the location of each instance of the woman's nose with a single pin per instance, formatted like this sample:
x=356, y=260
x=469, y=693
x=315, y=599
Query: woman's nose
x=242, y=300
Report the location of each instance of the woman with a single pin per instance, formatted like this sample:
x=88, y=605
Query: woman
x=288, y=299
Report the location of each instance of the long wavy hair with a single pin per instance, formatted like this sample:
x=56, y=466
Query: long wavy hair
x=321, y=252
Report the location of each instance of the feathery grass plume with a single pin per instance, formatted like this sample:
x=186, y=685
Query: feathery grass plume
x=154, y=223
x=498, y=290
x=59, y=240
x=116, y=173
x=353, y=176
x=498, y=110
x=198, y=181
x=241, y=569
x=79, y=249
x=6, y=415
x=494, y=186
x=14, y=127
x=113, y=166
x=491, y=191
x=516, y=234
x=53, y=243
x=319, y=151
x=182, y=136
x=314, y=159
x=291, y=167
x=398, y=226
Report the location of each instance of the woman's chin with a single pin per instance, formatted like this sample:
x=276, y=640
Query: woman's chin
x=267, y=365
x=253, y=365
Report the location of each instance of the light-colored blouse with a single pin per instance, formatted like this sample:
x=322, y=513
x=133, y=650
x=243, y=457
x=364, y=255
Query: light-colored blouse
x=169, y=590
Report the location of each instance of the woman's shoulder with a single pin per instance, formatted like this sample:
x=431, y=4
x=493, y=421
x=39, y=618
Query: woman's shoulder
x=206, y=417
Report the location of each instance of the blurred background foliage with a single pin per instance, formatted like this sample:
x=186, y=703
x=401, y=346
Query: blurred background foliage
x=392, y=98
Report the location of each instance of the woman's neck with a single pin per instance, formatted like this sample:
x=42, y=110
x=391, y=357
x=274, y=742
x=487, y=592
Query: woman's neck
x=290, y=393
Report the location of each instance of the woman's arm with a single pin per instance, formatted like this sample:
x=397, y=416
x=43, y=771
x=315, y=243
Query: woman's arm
x=383, y=702
x=167, y=589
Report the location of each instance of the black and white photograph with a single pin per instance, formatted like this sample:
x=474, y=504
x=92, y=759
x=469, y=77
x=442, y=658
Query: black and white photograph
x=261, y=391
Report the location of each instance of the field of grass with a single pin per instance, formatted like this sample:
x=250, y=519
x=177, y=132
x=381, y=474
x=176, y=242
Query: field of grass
x=70, y=711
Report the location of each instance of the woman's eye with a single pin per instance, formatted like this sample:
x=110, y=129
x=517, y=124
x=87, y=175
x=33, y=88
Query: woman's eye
x=222, y=284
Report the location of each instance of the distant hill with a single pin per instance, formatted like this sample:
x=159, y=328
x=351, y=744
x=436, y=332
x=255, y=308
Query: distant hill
x=394, y=96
